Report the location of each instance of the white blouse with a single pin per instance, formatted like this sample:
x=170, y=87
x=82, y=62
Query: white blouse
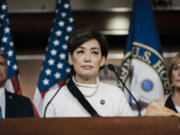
x=177, y=108
x=107, y=100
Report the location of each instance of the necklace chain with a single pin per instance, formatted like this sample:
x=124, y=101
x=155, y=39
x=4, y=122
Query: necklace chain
x=97, y=86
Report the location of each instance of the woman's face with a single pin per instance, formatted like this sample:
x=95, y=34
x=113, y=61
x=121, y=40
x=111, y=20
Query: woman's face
x=86, y=61
x=176, y=76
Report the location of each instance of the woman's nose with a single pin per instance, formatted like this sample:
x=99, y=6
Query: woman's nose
x=87, y=57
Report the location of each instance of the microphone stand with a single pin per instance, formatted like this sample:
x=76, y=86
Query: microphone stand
x=111, y=67
x=69, y=75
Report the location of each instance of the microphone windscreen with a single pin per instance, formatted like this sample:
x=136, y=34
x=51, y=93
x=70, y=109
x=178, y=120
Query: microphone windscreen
x=111, y=67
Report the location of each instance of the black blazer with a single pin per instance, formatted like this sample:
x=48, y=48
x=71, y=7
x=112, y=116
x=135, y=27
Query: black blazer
x=17, y=106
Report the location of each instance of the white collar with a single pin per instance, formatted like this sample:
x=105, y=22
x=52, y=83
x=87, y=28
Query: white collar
x=86, y=85
x=2, y=92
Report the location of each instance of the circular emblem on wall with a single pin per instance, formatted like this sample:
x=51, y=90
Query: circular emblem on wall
x=147, y=85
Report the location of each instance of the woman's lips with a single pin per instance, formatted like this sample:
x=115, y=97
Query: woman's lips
x=87, y=67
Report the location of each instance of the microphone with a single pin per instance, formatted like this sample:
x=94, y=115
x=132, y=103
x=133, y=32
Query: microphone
x=111, y=67
x=69, y=75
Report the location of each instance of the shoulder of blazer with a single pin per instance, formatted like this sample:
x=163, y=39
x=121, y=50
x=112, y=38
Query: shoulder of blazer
x=9, y=95
x=15, y=97
x=18, y=105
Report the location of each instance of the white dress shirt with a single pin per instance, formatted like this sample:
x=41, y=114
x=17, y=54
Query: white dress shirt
x=2, y=101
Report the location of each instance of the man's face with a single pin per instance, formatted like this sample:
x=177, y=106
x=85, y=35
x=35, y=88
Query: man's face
x=3, y=71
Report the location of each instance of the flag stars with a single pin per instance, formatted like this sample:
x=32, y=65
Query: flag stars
x=71, y=19
x=10, y=53
x=7, y=30
x=66, y=5
x=1, y=16
x=11, y=44
x=57, y=75
x=8, y=63
x=4, y=7
x=61, y=24
x=53, y=52
x=4, y=39
x=48, y=72
x=59, y=1
x=58, y=33
x=51, y=62
x=59, y=65
x=2, y=48
x=56, y=11
x=63, y=14
x=69, y=29
x=62, y=56
x=66, y=38
x=56, y=42
x=15, y=67
x=64, y=47
x=56, y=64
x=68, y=70
x=46, y=81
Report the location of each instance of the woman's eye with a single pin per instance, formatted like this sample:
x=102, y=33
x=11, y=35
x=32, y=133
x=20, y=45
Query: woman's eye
x=2, y=64
x=95, y=52
x=80, y=52
x=176, y=68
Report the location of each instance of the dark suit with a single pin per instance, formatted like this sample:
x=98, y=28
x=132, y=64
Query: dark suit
x=17, y=106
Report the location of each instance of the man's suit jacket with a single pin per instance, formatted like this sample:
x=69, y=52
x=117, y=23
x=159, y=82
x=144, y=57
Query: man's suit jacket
x=17, y=106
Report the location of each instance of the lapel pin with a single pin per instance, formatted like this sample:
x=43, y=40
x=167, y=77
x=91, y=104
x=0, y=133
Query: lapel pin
x=102, y=101
x=10, y=97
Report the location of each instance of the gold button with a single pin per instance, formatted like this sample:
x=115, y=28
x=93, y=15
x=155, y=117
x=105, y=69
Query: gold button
x=10, y=97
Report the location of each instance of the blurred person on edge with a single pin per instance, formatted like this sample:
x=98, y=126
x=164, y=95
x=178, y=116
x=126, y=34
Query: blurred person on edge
x=169, y=104
x=12, y=105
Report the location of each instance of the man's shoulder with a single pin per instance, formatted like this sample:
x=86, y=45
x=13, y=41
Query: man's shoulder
x=18, y=105
x=14, y=96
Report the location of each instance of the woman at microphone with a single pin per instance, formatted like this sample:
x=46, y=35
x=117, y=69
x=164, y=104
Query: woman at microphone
x=85, y=95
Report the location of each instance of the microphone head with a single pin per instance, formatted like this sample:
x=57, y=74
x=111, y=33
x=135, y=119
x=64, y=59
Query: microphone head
x=111, y=67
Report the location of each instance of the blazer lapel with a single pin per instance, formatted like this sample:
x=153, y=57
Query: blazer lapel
x=8, y=101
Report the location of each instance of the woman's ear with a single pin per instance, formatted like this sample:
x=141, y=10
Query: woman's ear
x=70, y=58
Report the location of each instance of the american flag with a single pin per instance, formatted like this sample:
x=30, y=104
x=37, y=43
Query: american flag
x=55, y=67
x=7, y=45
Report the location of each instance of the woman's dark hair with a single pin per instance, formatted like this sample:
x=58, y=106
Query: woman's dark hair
x=82, y=35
